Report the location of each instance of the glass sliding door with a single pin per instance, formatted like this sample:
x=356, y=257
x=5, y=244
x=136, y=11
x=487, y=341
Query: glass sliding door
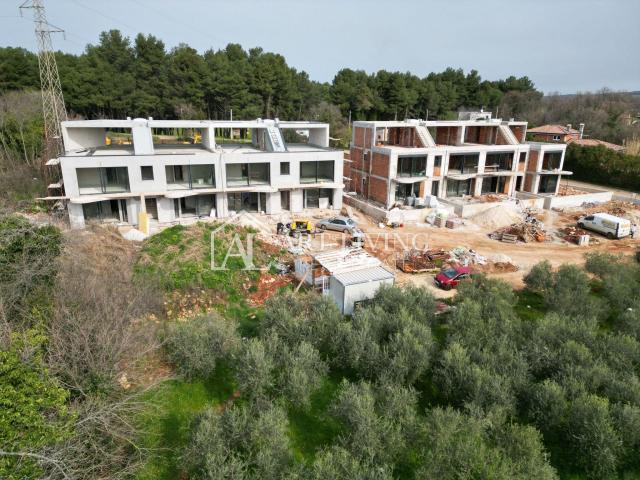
x=102, y=180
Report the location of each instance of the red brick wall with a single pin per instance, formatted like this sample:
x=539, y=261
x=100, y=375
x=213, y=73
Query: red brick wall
x=362, y=137
x=377, y=190
x=446, y=135
x=528, y=182
x=356, y=157
x=519, y=132
x=533, y=161
x=380, y=165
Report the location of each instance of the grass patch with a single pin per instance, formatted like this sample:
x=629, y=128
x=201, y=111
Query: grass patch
x=313, y=429
x=166, y=424
x=530, y=305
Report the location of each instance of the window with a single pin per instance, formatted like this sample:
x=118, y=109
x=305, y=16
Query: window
x=190, y=176
x=412, y=166
x=285, y=168
x=437, y=161
x=551, y=160
x=463, y=164
x=499, y=161
x=242, y=174
x=146, y=172
x=556, y=138
x=548, y=184
x=407, y=190
x=458, y=188
x=435, y=186
x=316, y=172
x=247, y=201
x=195, y=205
x=102, y=180
x=316, y=197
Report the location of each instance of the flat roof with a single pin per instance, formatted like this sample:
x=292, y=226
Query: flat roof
x=129, y=123
x=346, y=260
x=495, y=122
x=365, y=275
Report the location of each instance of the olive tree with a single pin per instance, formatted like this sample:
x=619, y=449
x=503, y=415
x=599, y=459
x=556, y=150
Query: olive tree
x=196, y=345
x=591, y=436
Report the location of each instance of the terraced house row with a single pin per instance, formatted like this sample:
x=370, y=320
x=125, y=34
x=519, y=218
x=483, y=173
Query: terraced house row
x=393, y=162
x=196, y=177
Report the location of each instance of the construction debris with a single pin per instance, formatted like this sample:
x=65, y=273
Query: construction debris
x=577, y=235
x=466, y=256
x=417, y=261
x=614, y=207
x=531, y=231
x=566, y=190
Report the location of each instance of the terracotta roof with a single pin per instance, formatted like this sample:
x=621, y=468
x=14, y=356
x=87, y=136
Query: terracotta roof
x=592, y=142
x=553, y=129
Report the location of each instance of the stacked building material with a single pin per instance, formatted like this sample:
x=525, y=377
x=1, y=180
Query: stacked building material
x=525, y=231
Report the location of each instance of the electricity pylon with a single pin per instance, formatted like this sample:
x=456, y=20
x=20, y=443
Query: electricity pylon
x=53, y=108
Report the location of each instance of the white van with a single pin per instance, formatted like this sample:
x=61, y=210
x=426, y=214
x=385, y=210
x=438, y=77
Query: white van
x=609, y=225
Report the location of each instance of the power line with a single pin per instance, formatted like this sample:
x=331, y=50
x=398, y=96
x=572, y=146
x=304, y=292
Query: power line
x=173, y=19
x=108, y=17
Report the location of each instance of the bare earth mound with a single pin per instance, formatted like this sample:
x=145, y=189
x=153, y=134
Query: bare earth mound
x=497, y=217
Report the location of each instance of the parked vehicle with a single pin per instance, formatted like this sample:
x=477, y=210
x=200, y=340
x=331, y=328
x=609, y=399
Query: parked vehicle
x=299, y=227
x=450, y=277
x=606, y=224
x=339, y=224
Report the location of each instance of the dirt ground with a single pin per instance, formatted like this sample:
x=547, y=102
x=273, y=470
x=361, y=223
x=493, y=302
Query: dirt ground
x=523, y=255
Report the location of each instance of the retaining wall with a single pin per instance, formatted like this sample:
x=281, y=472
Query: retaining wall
x=590, y=195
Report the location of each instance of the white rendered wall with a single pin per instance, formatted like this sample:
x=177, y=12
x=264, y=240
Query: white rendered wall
x=80, y=138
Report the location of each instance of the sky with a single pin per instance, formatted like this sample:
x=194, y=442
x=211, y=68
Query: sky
x=564, y=46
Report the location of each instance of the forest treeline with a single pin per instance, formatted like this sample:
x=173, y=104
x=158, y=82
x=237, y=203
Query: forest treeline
x=121, y=77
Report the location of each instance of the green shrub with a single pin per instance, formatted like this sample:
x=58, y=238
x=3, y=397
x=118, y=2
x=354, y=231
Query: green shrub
x=195, y=346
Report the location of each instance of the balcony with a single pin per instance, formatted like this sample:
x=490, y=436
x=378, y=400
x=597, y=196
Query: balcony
x=93, y=181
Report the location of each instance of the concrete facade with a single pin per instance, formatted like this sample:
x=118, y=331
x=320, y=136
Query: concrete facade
x=200, y=179
x=397, y=162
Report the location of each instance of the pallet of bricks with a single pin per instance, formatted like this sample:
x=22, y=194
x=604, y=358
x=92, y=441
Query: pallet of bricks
x=418, y=261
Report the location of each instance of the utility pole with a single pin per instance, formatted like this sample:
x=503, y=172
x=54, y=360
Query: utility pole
x=53, y=108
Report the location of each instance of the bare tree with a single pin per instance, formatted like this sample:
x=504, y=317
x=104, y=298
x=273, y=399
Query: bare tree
x=100, y=320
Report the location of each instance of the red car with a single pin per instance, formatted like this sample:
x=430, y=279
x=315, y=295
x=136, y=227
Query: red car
x=450, y=277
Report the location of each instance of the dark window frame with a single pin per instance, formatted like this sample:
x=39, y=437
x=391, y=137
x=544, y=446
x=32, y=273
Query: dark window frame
x=316, y=178
x=144, y=173
x=285, y=168
x=189, y=179
x=412, y=166
x=103, y=174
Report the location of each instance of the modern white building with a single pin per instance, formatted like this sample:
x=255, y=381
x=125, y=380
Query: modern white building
x=198, y=177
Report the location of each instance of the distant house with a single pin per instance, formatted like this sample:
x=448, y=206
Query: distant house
x=556, y=133
x=568, y=135
x=592, y=142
